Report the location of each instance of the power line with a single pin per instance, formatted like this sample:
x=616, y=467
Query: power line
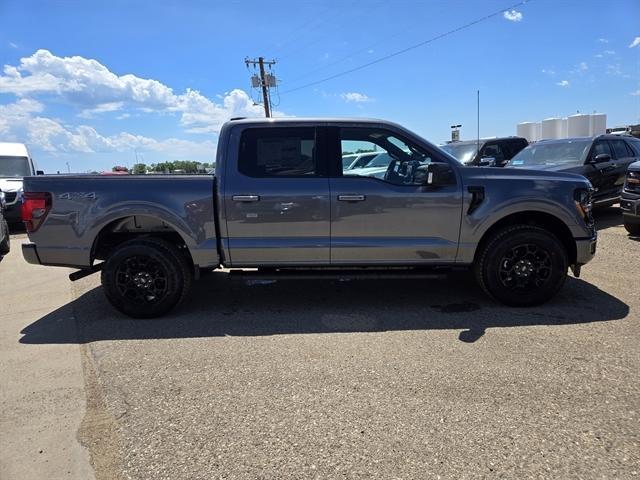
x=356, y=52
x=407, y=49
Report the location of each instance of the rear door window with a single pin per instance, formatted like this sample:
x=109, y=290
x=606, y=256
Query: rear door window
x=620, y=148
x=278, y=152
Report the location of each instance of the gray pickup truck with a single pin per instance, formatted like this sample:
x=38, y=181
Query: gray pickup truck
x=281, y=205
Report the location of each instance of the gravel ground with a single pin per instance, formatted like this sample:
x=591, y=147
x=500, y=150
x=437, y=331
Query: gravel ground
x=365, y=379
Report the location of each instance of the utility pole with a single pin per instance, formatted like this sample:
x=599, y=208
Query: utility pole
x=264, y=81
x=478, y=137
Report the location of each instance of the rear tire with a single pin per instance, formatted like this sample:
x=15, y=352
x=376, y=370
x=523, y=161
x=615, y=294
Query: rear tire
x=522, y=266
x=146, y=278
x=632, y=228
x=5, y=245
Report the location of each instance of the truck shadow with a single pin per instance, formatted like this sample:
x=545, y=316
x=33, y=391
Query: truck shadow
x=222, y=307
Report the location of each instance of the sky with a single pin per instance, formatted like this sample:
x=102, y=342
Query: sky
x=94, y=84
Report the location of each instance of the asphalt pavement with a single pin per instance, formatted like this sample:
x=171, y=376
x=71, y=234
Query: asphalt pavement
x=383, y=379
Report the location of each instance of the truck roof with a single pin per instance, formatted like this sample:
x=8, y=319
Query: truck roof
x=9, y=149
x=309, y=120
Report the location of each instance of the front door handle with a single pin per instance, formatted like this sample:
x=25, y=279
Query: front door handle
x=351, y=198
x=245, y=198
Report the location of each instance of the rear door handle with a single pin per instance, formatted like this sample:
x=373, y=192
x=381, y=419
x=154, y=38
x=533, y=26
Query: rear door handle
x=351, y=198
x=245, y=198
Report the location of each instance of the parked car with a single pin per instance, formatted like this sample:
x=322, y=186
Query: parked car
x=603, y=159
x=358, y=160
x=5, y=241
x=15, y=164
x=630, y=199
x=493, y=152
x=280, y=202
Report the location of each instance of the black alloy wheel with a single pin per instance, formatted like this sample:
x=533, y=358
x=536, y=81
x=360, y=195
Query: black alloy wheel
x=146, y=277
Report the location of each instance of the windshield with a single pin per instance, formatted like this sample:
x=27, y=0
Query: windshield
x=463, y=153
x=569, y=152
x=14, y=167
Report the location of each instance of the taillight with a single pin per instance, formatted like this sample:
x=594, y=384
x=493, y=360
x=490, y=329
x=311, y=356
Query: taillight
x=35, y=207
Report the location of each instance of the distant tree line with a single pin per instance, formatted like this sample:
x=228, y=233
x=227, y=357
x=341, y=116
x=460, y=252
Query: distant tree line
x=182, y=166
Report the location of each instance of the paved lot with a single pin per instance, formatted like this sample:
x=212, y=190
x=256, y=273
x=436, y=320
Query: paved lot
x=321, y=379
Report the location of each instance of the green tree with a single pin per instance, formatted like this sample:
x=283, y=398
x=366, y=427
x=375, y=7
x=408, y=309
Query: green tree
x=139, y=169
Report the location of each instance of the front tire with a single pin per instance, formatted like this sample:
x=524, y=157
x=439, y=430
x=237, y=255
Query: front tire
x=145, y=278
x=522, y=266
x=632, y=228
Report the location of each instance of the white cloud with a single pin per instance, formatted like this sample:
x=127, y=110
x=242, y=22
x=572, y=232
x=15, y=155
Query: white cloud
x=615, y=69
x=583, y=66
x=91, y=86
x=102, y=108
x=636, y=93
x=598, y=55
x=563, y=83
x=13, y=45
x=355, y=97
x=20, y=122
x=512, y=15
x=549, y=72
x=635, y=43
x=603, y=40
x=610, y=52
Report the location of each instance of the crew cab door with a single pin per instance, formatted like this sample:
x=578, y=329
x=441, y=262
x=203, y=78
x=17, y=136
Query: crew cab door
x=276, y=198
x=387, y=215
x=602, y=174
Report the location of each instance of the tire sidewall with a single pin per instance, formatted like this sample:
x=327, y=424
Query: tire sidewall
x=498, y=250
x=632, y=228
x=5, y=244
x=174, y=274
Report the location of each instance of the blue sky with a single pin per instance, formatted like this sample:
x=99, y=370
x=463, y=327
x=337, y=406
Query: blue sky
x=98, y=84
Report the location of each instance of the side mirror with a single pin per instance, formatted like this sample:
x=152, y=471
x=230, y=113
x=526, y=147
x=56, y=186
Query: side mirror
x=39, y=172
x=440, y=174
x=487, y=162
x=601, y=158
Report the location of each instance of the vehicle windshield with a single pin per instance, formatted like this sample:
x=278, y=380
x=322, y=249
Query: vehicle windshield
x=464, y=153
x=14, y=167
x=556, y=153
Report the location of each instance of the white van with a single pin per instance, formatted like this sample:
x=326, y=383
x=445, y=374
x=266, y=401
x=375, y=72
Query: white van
x=15, y=164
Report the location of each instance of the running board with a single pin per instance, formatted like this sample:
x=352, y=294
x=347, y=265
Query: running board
x=338, y=274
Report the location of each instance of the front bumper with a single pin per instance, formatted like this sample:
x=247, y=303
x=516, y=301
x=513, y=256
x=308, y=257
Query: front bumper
x=13, y=212
x=30, y=253
x=630, y=206
x=586, y=249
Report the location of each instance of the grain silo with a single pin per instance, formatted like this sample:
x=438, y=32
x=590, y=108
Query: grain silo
x=598, y=124
x=578, y=125
x=528, y=130
x=551, y=128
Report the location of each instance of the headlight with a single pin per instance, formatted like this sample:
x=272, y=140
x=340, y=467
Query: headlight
x=582, y=199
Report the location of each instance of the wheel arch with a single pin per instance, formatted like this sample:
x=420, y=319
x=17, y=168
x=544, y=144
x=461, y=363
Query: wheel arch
x=124, y=228
x=545, y=220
